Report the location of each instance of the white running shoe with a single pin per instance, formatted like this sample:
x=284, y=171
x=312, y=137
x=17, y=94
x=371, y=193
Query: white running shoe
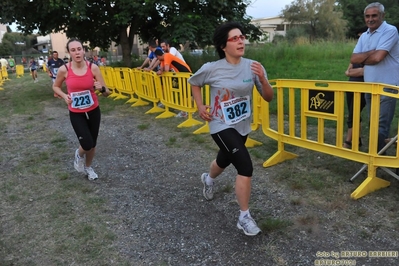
x=208, y=190
x=79, y=162
x=91, y=175
x=181, y=114
x=248, y=225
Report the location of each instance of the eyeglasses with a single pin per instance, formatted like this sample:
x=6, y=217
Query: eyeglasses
x=236, y=38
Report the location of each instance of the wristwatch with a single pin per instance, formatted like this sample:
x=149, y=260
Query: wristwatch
x=103, y=89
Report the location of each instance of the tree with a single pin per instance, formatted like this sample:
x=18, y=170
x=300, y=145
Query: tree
x=6, y=48
x=102, y=21
x=353, y=12
x=14, y=43
x=321, y=18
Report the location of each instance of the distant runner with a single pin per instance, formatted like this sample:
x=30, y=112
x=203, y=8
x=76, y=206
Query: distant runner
x=53, y=65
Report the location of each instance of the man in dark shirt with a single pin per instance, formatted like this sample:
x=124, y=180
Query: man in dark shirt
x=53, y=65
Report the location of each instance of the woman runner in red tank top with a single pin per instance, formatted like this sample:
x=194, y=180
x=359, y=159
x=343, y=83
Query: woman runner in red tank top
x=82, y=79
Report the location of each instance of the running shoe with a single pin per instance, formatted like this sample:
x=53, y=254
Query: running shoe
x=91, y=175
x=248, y=225
x=208, y=190
x=181, y=114
x=79, y=162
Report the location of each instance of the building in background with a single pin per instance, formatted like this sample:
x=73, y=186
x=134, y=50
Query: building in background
x=3, y=30
x=272, y=26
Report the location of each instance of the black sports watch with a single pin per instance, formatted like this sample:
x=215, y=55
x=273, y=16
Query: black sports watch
x=103, y=89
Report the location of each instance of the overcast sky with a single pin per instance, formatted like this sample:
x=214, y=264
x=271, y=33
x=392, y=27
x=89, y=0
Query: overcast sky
x=267, y=8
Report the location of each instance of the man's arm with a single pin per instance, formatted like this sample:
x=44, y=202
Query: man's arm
x=376, y=57
x=359, y=58
x=154, y=63
x=144, y=63
x=354, y=72
x=369, y=58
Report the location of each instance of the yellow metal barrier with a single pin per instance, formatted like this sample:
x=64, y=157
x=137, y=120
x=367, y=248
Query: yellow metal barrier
x=206, y=97
x=1, y=82
x=19, y=71
x=104, y=74
x=109, y=79
x=123, y=84
x=299, y=101
x=256, y=117
x=171, y=89
x=176, y=93
x=147, y=87
x=4, y=73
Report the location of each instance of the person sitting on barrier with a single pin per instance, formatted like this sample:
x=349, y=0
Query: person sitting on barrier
x=355, y=73
x=154, y=65
x=172, y=50
x=231, y=80
x=172, y=63
x=151, y=59
x=378, y=50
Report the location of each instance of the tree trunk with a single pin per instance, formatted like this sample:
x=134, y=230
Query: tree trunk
x=126, y=48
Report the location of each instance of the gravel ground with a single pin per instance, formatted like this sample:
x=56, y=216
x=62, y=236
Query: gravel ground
x=154, y=192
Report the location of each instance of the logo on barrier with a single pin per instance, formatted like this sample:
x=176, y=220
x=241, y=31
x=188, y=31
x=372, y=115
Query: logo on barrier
x=321, y=101
x=175, y=83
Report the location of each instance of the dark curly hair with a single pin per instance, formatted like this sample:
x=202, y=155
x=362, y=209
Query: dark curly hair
x=221, y=35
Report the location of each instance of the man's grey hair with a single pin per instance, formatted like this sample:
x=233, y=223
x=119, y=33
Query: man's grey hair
x=378, y=5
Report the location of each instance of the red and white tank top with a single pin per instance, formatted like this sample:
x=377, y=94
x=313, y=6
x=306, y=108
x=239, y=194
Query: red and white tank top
x=81, y=90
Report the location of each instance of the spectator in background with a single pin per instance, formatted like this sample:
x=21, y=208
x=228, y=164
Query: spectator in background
x=3, y=62
x=172, y=63
x=11, y=63
x=95, y=60
x=355, y=73
x=33, y=69
x=169, y=62
x=103, y=61
x=378, y=50
x=41, y=62
x=151, y=60
x=172, y=50
x=53, y=64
